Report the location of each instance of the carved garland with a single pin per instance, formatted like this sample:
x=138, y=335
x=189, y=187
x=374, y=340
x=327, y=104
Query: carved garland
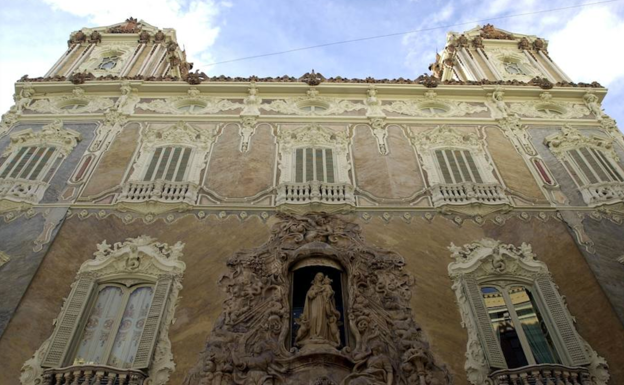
x=249, y=343
x=201, y=104
x=558, y=109
x=490, y=260
x=428, y=106
x=141, y=259
x=83, y=103
x=296, y=106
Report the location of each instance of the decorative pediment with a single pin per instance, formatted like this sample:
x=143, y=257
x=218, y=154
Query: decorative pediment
x=571, y=138
x=444, y=136
x=53, y=134
x=75, y=103
x=549, y=108
x=191, y=104
x=312, y=105
x=181, y=133
x=141, y=256
x=432, y=106
x=489, y=257
x=312, y=135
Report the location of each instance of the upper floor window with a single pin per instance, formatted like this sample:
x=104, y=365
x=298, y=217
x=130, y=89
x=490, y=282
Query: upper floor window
x=457, y=166
x=28, y=163
x=518, y=325
x=108, y=63
x=111, y=323
x=168, y=163
x=595, y=166
x=314, y=164
x=513, y=68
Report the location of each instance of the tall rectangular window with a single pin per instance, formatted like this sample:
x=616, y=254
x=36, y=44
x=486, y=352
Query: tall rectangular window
x=457, y=166
x=28, y=163
x=314, y=164
x=168, y=163
x=595, y=166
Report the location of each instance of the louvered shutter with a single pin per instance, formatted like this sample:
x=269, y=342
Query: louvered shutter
x=152, y=324
x=68, y=323
x=564, y=328
x=489, y=342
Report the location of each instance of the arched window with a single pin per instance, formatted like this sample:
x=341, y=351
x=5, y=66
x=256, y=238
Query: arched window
x=518, y=325
x=109, y=327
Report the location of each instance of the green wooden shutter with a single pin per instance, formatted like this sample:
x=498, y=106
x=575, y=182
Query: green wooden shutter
x=68, y=323
x=489, y=341
x=152, y=324
x=564, y=328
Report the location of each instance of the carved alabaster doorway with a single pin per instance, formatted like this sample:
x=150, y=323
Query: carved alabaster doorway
x=358, y=296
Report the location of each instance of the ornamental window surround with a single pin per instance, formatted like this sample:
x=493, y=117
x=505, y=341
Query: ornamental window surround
x=458, y=169
x=592, y=163
x=114, y=323
x=314, y=167
x=169, y=164
x=31, y=160
x=518, y=325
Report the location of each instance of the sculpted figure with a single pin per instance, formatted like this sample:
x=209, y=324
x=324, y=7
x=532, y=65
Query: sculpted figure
x=256, y=367
x=497, y=98
x=23, y=99
x=591, y=101
x=374, y=369
x=318, y=324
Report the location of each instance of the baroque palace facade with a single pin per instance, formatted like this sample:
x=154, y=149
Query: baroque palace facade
x=159, y=226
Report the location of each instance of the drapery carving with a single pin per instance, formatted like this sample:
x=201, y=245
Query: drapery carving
x=250, y=343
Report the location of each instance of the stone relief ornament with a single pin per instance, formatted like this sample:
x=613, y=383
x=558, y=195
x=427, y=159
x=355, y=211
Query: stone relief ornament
x=191, y=104
x=128, y=99
x=247, y=129
x=252, y=101
x=53, y=134
x=141, y=259
x=7, y=121
x=512, y=65
x=571, y=138
x=23, y=99
x=497, y=98
x=108, y=59
x=75, y=103
x=374, y=105
x=431, y=106
x=489, y=259
x=547, y=107
x=593, y=104
x=380, y=132
x=252, y=341
x=312, y=105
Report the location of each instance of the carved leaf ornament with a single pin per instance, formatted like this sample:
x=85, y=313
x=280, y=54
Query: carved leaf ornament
x=251, y=342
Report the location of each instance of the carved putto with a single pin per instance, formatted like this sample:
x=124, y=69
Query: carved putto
x=252, y=343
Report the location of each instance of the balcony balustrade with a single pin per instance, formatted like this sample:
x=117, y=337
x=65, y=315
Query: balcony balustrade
x=600, y=193
x=93, y=374
x=468, y=193
x=22, y=190
x=544, y=374
x=315, y=192
x=159, y=190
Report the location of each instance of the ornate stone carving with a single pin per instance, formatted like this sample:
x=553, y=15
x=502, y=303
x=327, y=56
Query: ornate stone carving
x=81, y=77
x=432, y=106
x=489, y=258
x=144, y=37
x=488, y=31
x=132, y=261
x=252, y=102
x=131, y=25
x=380, y=132
x=549, y=108
x=75, y=103
x=592, y=103
x=540, y=45
x=498, y=99
x=95, y=37
x=322, y=105
x=374, y=105
x=571, y=138
x=504, y=58
x=524, y=44
x=7, y=121
x=128, y=99
x=77, y=37
x=53, y=134
x=23, y=99
x=201, y=104
x=120, y=52
x=250, y=341
x=312, y=78
x=247, y=129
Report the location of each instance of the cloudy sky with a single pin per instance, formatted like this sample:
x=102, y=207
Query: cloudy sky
x=584, y=41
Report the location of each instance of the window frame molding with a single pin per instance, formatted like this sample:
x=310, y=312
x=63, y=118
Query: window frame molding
x=487, y=261
x=571, y=139
x=53, y=135
x=137, y=261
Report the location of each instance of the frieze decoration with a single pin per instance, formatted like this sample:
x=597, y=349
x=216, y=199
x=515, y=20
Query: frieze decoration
x=129, y=262
x=251, y=342
x=128, y=99
x=319, y=105
x=191, y=104
x=53, y=134
x=23, y=99
x=75, y=103
x=489, y=258
x=570, y=138
x=7, y=121
x=593, y=104
x=549, y=108
x=432, y=106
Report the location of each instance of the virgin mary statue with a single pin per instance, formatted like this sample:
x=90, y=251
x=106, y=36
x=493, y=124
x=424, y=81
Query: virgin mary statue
x=318, y=325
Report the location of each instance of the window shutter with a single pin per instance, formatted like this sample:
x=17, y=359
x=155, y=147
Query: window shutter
x=152, y=324
x=68, y=323
x=489, y=341
x=573, y=346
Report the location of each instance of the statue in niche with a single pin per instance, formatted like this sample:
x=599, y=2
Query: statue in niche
x=318, y=325
x=253, y=343
x=373, y=368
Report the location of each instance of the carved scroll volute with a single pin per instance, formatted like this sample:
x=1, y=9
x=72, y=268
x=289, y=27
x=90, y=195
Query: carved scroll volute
x=252, y=340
